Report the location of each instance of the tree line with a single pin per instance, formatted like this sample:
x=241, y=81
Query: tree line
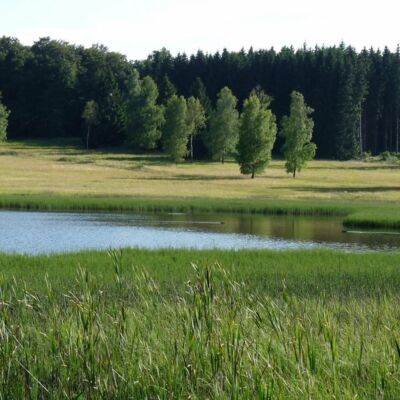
x=50, y=85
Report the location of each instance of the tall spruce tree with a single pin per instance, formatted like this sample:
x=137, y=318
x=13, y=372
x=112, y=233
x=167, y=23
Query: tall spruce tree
x=352, y=92
x=175, y=130
x=196, y=120
x=297, y=129
x=224, y=123
x=396, y=98
x=166, y=89
x=257, y=136
x=145, y=116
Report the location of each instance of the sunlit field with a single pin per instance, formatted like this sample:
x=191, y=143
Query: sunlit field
x=42, y=169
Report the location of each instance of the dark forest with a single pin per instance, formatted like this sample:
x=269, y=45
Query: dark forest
x=355, y=95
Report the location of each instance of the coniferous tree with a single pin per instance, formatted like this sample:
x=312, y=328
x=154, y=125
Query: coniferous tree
x=224, y=123
x=166, y=89
x=396, y=97
x=175, y=131
x=145, y=116
x=199, y=91
x=196, y=120
x=257, y=136
x=352, y=93
x=4, y=114
x=297, y=129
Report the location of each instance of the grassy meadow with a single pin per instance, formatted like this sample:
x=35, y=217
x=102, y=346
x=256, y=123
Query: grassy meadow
x=62, y=175
x=173, y=324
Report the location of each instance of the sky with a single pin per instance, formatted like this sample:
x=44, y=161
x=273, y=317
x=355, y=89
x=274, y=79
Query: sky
x=136, y=28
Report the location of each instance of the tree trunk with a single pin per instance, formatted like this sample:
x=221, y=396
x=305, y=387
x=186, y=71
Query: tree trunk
x=252, y=174
x=294, y=173
x=191, y=148
x=87, y=138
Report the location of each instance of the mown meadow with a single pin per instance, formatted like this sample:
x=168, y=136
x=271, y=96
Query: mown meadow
x=200, y=324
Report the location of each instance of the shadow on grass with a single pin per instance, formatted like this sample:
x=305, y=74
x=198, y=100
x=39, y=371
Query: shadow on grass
x=139, y=158
x=177, y=178
x=366, y=168
x=345, y=189
x=60, y=143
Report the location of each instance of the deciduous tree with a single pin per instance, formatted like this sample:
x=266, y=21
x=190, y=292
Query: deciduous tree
x=175, y=130
x=297, y=129
x=4, y=113
x=224, y=122
x=257, y=136
x=91, y=117
x=196, y=119
x=145, y=116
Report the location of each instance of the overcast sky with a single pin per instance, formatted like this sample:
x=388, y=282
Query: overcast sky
x=136, y=28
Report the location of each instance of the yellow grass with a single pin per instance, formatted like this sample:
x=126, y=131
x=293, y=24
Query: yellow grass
x=39, y=169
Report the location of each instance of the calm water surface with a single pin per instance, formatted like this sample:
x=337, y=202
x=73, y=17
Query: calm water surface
x=51, y=232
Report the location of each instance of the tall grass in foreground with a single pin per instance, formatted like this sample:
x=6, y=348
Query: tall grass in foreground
x=217, y=338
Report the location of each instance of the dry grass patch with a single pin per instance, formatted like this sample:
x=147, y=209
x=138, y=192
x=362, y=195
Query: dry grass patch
x=70, y=170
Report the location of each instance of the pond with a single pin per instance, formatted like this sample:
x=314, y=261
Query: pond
x=55, y=232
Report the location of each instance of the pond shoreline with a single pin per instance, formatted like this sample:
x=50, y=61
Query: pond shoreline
x=363, y=214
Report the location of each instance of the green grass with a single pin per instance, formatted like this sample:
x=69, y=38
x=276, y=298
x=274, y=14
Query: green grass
x=142, y=324
x=121, y=203
x=374, y=218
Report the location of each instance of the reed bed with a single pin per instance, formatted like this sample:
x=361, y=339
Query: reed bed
x=124, y=330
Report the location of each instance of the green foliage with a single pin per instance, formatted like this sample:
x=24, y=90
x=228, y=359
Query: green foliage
x=264, y=98
x=196, y=119
x=389, y=156
x=4, y=114
x=109, y=80
x=91, y=113
x=356, y=94
x=224, y=122
x=176, y=130
x=145, y=116
x=91, y=117
x=257, y=136
x=297, y=128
